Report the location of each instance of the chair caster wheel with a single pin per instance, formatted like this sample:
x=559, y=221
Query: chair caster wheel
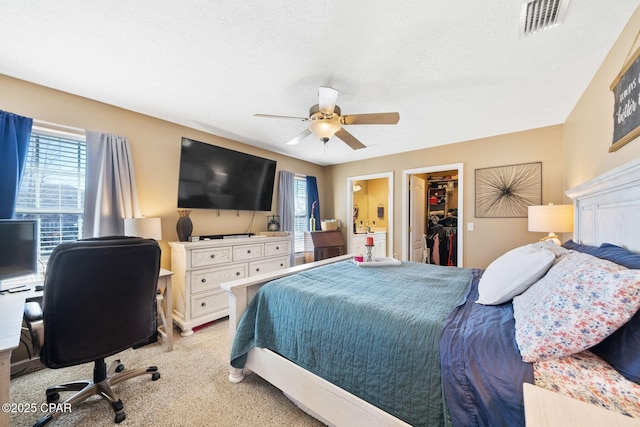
x=120, y=417
x=53, y=397
x=155, y=376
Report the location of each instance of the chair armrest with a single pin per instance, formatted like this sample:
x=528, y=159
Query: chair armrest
x=33, y=318
x=32, y=311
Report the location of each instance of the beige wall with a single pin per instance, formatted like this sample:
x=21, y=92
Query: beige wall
x=588, y=130
x=492, y=236
x=156, y=154
x=570, y=154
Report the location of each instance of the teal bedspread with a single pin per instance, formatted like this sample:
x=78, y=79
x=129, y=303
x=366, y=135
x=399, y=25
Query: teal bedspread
x=374, y=332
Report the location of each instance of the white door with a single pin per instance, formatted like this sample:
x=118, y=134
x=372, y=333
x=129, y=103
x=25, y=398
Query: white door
x=416, y=217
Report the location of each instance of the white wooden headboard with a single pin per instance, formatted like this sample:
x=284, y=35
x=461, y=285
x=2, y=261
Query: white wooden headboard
x=607, y=208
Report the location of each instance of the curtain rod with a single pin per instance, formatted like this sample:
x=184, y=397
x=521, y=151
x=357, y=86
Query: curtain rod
x=69, y=130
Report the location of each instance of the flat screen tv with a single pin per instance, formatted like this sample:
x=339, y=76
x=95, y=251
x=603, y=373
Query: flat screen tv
x=213, y=177
x=18, y=249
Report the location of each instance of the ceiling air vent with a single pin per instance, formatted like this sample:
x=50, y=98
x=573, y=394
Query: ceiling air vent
x=540, y=15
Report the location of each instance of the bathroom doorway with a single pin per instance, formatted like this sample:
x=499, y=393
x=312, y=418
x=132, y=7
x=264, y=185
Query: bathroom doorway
x=370, y=209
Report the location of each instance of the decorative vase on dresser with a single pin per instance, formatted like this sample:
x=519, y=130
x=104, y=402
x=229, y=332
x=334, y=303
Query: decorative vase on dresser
x=184, y=226
x=200, y=267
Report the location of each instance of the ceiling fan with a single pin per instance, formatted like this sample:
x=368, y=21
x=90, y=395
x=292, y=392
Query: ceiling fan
x=326, y=121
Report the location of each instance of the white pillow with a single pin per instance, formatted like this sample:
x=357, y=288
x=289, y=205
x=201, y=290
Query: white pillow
x=513, y=273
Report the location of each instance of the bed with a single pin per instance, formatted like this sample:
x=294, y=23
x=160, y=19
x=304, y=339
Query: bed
x=470, y=368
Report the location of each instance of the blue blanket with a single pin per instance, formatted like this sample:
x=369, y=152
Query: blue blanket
x=483, y=371
x=391, y=322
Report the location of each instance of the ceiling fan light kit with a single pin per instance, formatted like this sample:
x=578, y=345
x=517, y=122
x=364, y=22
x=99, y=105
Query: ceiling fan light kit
x=326, y=120
x=324, y=125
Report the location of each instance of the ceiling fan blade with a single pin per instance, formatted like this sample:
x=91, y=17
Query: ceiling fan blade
x=271, y=116
x=302, y=135
x=327, y=98
x=371, y=119
x=349, y=139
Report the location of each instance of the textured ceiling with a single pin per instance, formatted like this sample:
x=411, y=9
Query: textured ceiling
x=454, y=70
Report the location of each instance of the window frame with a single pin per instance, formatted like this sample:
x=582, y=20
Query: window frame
x=47, y=134
x=300, y=223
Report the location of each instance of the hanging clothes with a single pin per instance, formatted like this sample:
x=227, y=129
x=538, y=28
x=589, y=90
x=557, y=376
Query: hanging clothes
x=436, y=249
x=450, y=257
x=442, y=242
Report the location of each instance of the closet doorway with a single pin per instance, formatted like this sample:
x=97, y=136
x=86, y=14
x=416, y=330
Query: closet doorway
x=432, y=204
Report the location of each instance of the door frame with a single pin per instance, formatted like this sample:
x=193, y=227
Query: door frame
x=416, y=234
x=405, y=205
x=390, y=225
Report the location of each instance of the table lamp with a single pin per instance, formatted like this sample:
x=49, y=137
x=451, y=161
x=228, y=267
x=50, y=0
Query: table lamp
x=551, y=218
x=148, y=228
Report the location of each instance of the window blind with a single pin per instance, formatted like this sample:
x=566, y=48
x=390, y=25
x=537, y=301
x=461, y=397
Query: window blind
x=300, y=224
x=52, y=188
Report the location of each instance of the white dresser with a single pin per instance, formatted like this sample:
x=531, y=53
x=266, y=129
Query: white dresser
x=200, y=267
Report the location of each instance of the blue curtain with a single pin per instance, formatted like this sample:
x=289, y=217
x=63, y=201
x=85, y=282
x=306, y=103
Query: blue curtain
x=312, y=196
x=15, y=132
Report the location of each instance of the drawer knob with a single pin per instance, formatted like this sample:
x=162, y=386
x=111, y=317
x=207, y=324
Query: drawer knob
x=212, y=256
x=203, y=280
x=281, y=264
x=277, y=248
x=257, y=269
x=203, y=304
x=248, y=251
x=237, y=273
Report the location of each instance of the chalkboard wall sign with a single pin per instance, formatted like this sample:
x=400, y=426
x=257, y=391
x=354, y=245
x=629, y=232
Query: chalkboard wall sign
x=626, y=110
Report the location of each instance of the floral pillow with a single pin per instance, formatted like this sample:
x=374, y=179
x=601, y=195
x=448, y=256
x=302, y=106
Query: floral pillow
x=579, y=302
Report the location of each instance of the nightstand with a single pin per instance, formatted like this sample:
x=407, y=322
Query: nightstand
x=544, y=408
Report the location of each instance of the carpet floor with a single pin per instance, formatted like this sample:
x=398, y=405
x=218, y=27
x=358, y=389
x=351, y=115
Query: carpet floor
x=193, y=390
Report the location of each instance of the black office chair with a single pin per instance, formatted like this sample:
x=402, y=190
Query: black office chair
x=99, y=299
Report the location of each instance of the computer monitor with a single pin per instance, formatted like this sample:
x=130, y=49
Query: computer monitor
x=18, y=250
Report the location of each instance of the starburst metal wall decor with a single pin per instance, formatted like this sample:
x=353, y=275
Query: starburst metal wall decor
x=508, y=191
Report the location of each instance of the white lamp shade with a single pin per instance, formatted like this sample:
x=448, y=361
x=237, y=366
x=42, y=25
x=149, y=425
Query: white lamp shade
x=148, y=228
x=325, y=128
x=551, y=218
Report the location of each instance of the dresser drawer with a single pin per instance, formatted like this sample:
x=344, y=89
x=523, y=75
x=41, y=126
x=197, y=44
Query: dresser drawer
x=209, y=303
x=211, y=278
x=247, y=252
x=210, y=256
x=267, y=266
x=276, y=248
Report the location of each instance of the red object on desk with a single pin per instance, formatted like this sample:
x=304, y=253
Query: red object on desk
x=369, y=240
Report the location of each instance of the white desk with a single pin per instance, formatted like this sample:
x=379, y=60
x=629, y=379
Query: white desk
x=164, y=286
x=11, y=310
